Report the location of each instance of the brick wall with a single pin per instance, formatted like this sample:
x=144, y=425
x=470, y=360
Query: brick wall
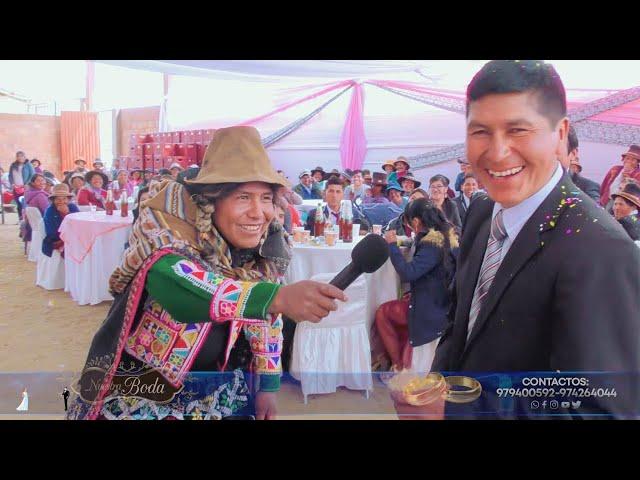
x=135, y=120
x=37, y=135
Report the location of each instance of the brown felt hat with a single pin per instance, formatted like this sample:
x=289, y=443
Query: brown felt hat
x=236, y=155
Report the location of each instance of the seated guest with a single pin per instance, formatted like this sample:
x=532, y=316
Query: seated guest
x=285, y=197
x=367, y=178
x=136, y=177
x=80, y=166
x=400, y=225
x=93, y=193
x=175, y=169
x=147, y=176
x=165, y=174
x=410, y=328
x=401, y=166
x=469, y=193
x=357, y=189
x=345, y=178
x=98, y=165
x=115, y=168
x=377, y=192
x=389, y=169
x=418, y=193
x=319, y=177
x=437, y=194
x=409, y=183
x=464, y=169
x=37, y=166
x=143, y=194
x=334, y=194
x=121, y=185
x=306, y=189
x=49, y=183
x=394, y=194
x=627, y=201
x=76, y=182
x=58, y=209
x=618, y=173
x=631, y=225
x=35, y=195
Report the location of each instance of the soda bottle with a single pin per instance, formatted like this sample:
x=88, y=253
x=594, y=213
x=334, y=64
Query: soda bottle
x=347, y=226
x=110, y=205
x=318, y=229
x=124, y=204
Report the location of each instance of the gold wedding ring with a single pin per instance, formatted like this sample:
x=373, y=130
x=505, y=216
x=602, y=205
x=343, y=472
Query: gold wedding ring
x=425, y=390
x=472, y=392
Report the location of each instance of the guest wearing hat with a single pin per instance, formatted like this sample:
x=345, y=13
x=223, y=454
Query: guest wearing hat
x=93, y=193
x=318, y=175
x=76, y=182
x=626, y=201
x=409, y=183
x=98, y=165
x=401, y=166
x=81, y=166
x=121, y=185
x=135, y=177
x=36, y=164
x=377, y=191
x=175, y=169
x=147, y=176
x=306, y=189
x=367, y=178
x=464, y=169
x=345, y=178
x=208, y=289
x=59, y=207
x=49, y=184
x=357, y=188
x=389, y=167
x=617, y=173
x=394, y=194
x=418, y=193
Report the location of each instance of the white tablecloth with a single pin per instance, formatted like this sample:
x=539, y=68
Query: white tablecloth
x=308, y=260
x=88, y=281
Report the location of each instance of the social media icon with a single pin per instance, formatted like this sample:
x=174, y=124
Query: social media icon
x=535, y=405
x=544, y=404
x=576, y=404
x=565, y=404
x=553, y=404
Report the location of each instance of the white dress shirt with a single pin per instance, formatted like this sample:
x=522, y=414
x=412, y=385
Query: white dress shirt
x=515, y=217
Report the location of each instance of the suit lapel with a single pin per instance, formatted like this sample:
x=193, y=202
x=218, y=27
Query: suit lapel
x=472, y=247
x=526, y=244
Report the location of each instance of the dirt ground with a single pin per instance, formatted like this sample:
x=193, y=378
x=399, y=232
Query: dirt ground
x=45, y=336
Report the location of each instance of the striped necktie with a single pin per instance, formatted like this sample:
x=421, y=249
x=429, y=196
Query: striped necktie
x=490, y=265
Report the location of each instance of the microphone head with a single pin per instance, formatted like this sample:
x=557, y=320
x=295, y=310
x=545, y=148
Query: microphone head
x=370, y=253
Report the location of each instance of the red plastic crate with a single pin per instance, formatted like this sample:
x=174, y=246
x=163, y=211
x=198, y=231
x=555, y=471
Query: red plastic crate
x=176, y=137
x=168, y=150
x=180, y=149
x=191, y=152
x=201, y=151
x=187, y=137
x=158, y=163
x=138, y=151
x=207, y=136
x=135, y=163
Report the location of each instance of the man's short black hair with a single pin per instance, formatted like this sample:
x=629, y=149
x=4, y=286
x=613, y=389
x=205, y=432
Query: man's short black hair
x=468, y=175
x=572, y=140
x=518, y=76
x=334, y=181
x=441, y=178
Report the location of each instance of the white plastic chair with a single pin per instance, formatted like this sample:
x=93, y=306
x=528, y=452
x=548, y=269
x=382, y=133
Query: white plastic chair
x=336, y=351
x=50, y=270
x=34, y=217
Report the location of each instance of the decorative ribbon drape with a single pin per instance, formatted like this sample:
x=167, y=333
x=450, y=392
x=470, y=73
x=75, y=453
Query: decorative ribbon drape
x=353, y=143
x=293, y=126
x=297, y=102
x=78, y=138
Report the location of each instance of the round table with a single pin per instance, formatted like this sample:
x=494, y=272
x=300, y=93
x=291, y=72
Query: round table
x=93, y=245
x=383, y=285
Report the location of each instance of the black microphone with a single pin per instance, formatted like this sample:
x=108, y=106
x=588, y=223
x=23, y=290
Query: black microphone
x=366, y=257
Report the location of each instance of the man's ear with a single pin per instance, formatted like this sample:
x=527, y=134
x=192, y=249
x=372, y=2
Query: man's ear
x=563, y=137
